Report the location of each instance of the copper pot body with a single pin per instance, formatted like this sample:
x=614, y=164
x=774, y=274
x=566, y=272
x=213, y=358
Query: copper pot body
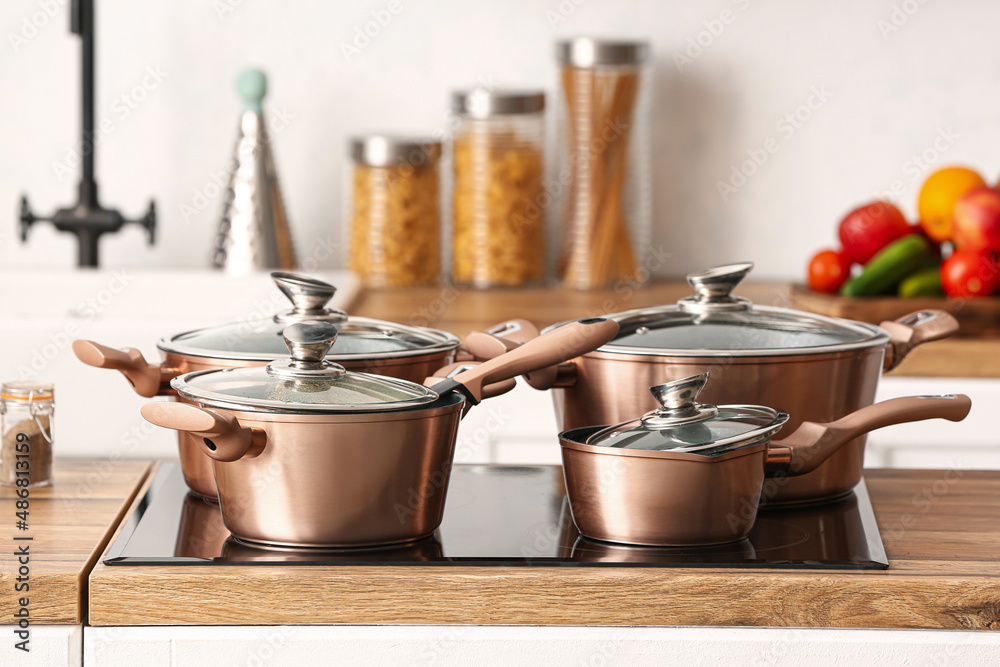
x=197, y=466
x=613, y=388
x=347, y=480
x=666, y=499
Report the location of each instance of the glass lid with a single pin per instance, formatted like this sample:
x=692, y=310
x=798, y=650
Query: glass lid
x=716, y=322
x=682, y=424
x=262, y=340
x=306, y=381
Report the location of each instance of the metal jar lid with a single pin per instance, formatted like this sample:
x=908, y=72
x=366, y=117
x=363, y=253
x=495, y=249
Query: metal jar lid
x=484, y=103
x=716, y=323
x=384, y=150
x=682, y=424
x=360, y=338
x=590, y=52
x=304, y=382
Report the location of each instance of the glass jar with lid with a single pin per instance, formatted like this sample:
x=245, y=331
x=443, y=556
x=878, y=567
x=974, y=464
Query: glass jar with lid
x=498, y=193
x=395, y=210
x=605, y=153
x=26, y=411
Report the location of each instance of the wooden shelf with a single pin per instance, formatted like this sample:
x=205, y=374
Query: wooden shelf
x=461, y=310
x=939, y=529
x=70, y=524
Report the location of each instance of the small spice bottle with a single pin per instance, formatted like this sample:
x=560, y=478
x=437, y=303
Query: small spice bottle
x=26, y=410
x=395, y=211
x=498, y=195
x=605, y=152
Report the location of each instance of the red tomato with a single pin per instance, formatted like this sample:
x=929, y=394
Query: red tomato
x=828, y=271
x=969, y=273
x=866, y=230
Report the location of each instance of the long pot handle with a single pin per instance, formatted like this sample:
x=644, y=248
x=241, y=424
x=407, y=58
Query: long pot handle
x=506, y=336
x=451, y=370
x=563, y=343
x=811, y=444
x=223, y=437
x=916, y=329
x=147, y=379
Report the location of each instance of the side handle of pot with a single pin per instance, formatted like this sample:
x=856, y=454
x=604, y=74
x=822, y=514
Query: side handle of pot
x=811, y=444
x=223, y=437
x=147, y=379
x=915, y=329
x=563, y=343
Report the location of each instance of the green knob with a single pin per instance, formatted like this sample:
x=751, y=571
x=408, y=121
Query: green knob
x=252, y=87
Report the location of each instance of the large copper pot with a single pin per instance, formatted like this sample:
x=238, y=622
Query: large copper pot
x=814, y=368
x=306, y=453
x=692, y=474
x=365, y=345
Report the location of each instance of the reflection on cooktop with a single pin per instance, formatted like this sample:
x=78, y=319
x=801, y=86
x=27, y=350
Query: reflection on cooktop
x=502, y=515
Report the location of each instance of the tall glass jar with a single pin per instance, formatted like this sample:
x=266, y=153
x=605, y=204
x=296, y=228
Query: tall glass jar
x=498, y=194
x=26, y=410
x=605, y=158
x=395, y=211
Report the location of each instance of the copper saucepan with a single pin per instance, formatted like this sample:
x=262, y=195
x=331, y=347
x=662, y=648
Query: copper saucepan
x=367, y=345
x=693, y=474
x=306, y=453
x=814, y=368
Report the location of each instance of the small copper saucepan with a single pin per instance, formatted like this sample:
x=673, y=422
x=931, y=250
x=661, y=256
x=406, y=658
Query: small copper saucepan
x=308, y=454
x=692, y=474
x=363, y=344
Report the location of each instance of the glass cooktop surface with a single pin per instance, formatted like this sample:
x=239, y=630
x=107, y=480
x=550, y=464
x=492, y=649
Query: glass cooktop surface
x=503, y=515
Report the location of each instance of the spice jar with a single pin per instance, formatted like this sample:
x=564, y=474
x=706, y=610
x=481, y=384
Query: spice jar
x=498, y=195
x=395, y=211
x=605, y=153
x=26, y=410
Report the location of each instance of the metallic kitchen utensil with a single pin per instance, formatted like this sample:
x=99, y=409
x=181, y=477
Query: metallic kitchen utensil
x=87, y=219
x=814, y=368
x=253, y=231
x=307, y=453
x=689, y=473
x=363, y=344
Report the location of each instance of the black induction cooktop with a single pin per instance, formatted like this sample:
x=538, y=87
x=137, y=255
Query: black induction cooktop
x=503, y=515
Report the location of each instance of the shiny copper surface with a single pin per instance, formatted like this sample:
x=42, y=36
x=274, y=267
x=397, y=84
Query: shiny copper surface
x=673, y=499
x=342, y=480
x=611, y=388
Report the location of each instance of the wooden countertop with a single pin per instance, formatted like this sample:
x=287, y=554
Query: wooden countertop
x=461, y=310
x=939, y=529
x=69, y=524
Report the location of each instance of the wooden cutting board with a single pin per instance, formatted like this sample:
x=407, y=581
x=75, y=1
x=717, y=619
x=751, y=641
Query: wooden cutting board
x=977, y=317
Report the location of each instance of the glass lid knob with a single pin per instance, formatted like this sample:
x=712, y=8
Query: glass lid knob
x=715, y=286
x=309, y=297
x=679, y=403
x=308, y=343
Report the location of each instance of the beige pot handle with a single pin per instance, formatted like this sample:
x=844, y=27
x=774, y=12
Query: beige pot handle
x=223, y=437
x=811, y=444
x=916, y=329
x=147, y=380
x=559, y=345
x=504, y=337
x=489, y=391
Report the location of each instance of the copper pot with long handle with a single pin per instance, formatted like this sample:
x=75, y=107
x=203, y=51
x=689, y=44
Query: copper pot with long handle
x=693, y=474
x=365, y=345
x=306, y=453
x=812, y=367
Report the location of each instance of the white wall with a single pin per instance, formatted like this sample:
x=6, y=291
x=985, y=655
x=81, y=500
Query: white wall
x=891, y=95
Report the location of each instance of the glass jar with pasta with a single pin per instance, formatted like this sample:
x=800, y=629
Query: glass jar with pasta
x=395, y=211
x=498, y=192
x=605, y=152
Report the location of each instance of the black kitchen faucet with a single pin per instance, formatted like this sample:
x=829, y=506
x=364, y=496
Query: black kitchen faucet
x=87, y=218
